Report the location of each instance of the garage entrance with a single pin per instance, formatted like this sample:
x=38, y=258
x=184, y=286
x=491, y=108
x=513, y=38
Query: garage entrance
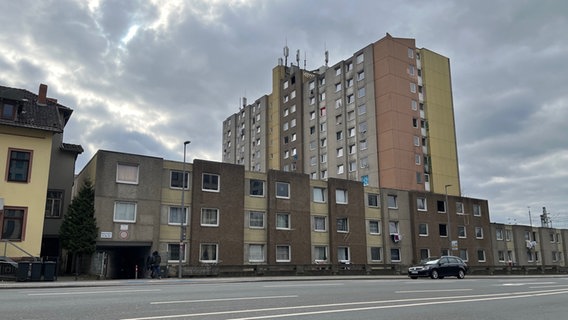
x=124, y=262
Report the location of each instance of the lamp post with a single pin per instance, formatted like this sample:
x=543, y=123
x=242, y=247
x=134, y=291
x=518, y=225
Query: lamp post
x=182, y=215
x=448, y=214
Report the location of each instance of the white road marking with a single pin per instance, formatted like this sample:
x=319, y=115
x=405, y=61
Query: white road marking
x=421, y=291
x=225, y=299
x=89, y=292
x=304, y=285
x=420, y=301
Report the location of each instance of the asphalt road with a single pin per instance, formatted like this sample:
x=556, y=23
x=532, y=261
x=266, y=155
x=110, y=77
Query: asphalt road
x=471, y=298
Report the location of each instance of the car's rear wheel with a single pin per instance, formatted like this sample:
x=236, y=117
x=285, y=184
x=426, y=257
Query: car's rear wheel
x=414, y=278
x=434, y=274
x=461, y=274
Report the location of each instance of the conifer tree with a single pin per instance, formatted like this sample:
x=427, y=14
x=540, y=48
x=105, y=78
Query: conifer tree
x=79, y=230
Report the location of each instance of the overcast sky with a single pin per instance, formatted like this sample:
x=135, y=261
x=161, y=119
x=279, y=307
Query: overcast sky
x=144, y=76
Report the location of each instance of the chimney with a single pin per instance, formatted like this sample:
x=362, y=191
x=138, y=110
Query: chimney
x=42, y=95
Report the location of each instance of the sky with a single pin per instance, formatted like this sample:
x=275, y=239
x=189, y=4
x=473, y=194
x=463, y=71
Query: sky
x=144, y=76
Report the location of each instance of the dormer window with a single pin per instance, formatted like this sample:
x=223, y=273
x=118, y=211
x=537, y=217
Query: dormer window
x=8, y=111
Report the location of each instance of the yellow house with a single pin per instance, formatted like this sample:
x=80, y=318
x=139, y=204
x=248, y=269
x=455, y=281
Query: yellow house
x=28, y=123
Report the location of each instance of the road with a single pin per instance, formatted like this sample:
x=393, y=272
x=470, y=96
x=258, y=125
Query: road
x=472, y=298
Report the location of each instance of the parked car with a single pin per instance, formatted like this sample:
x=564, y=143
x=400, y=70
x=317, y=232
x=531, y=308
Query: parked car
x=445, y=266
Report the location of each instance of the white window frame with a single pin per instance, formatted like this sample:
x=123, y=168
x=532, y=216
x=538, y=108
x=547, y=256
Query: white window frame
x=376, y=223
x=256, y=258
x=479, y=232
x=180, y=172
x=420, y=233
x=341, y=196
x=173, y=222
x=319, y=194
x=133, y=220
x=288, y=221
x=251, y=181
x=203, y=220
x=205, y=187
x=460, y=228
x=201, y=252
x=279, y=252
x=174, y=247
x=123, y=170
x=346, y=224
x=279, y=186
x=421, y=204
x=316, y=221
x=250, y=219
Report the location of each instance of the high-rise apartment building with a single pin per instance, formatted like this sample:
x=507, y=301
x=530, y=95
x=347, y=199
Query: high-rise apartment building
x=383, y=116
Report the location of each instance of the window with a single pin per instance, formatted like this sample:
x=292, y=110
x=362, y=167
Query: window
x=127, y=173
x=177, y=179
x=362, y=109
x=441, y=205
x=481, y=255
x=285, y=84
x=443, y=230
x=416, y=141
x=256, y=253
x=350, y=99
x=374, y=227
x=410, y=53
x=286, y=112
x=391, y=201
x=342, y=225
x=256, y=188
x=282, y=253
x=360, y=58
x=423, y=229
x=414, y=105
x=312, y=85
x=459, y=208
x=463, y=254
x=319, y=194
x=343, y=254
x=424, y=254
x=53, y=204
x=340, y=169
x=210, y=217
x=339, y=135
x=340, y=196
x=13, y=221
x=417, y=159
x=124, y=211
x=210, y=182
x=323, y=174
x=282, y=190
x=501, y=256
x=323, y=142
x=349, y=66
x=337, y=71
x=323, y=127
x=322, y=96
x=349, y=83
x=208, y=253
x=19, y=166
x=479, y=232
x=376, y=254
x=285, y=126
x=508, y=235
x=323, y=158
x=312, y=115
x=413, y=87
x=462, y=232
x=352, y=166
x=313, y=160
x=338, y=86
x=476, y=210
x=363, y=144
x=395, y=255
x=8, y=111
x=286, y=154
x=361, y=92
x=176, y=216
x=173, y=252
x=320, y=223
x=256, y=219
x=283, y=221
x=351, y=115
x=352, y=149
x=292, y=123
x=393, y=227
x=373, y=200
x=421, y=204
x=320, y=253
x=499, y=234
x=360, y=75
x=351, y=132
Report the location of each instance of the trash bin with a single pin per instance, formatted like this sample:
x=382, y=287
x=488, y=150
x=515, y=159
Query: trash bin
x=35, y=274
x=49, y=268
x=23, y=270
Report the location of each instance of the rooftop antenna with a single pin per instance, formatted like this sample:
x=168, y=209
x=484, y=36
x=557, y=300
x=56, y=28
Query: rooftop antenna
x=530, y=219
x=286, y=52
x=305, y=60
x=326, y=54
x=298, y=57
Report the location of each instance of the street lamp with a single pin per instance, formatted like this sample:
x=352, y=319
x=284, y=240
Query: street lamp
x=448, y=214
x=182, y=215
